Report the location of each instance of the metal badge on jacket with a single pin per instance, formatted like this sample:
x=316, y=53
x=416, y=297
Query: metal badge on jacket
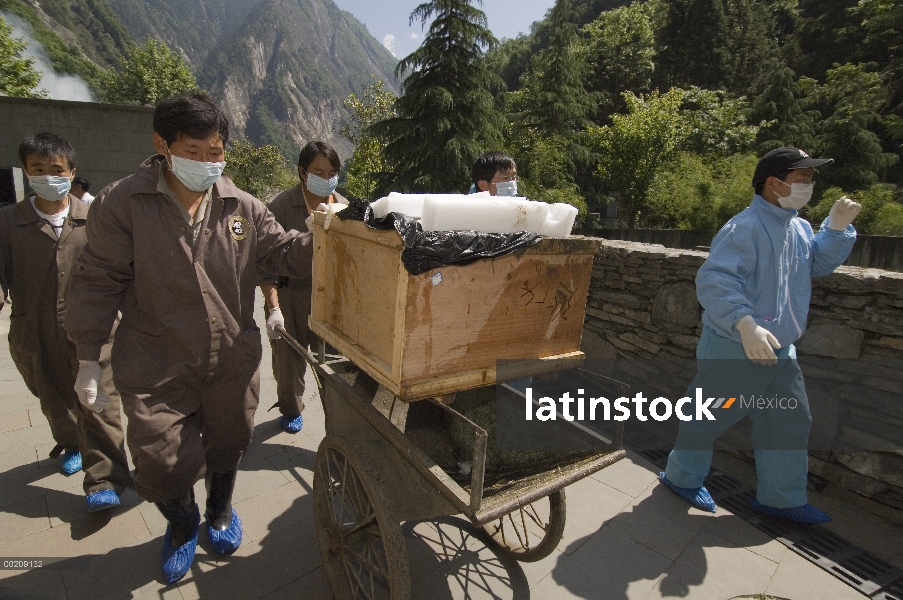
x=239, y=227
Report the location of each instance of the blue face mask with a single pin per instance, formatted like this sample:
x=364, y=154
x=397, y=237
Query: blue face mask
x=50, y=187
x=321, y=187
x=506, y=188
x=196, y=175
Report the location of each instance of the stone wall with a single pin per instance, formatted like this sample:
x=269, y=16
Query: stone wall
x=111, y=140
x=643, y=304
x=873, y=251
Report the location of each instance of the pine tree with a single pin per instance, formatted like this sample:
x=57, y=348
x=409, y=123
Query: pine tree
x=783, y=107
x=446, y=115
x=693, y=45
x=752, y=52
x=555, y=101
x=846, y=136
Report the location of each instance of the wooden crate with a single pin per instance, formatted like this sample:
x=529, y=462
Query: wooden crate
x=443, y=331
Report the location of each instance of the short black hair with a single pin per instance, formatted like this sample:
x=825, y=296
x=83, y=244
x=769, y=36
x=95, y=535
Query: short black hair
x=194, y=115
x=47, y=145
x=490, y=163
x=82, y=183
x=760, y=186
x=312, y=149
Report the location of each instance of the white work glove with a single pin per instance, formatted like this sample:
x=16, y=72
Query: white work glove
x=309, y=221
x=842, y=213
x=273, y=320
x=86, y=386
x=757, y=342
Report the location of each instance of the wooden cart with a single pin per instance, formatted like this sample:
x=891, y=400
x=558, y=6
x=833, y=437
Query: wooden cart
x=370, y=475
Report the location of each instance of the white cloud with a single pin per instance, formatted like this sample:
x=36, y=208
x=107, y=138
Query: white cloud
x=59, y=87
x=389, y=43
x=415, y=36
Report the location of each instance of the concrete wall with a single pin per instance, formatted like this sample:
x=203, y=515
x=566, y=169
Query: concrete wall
x=642, y=305
x=111, y=140
x=871, y=251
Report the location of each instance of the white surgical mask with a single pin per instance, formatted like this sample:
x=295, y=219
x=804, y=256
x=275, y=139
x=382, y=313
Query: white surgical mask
x=506, y=188
x=196, y=175
x=50, y=187
x=800, y=194
x=321, y=187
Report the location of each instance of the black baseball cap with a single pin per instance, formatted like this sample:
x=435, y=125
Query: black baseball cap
x=780, y=160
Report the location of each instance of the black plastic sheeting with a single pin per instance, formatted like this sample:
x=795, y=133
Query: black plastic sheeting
x=426, y=250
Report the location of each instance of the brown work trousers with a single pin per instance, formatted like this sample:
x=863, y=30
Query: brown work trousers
x=288, y=366
x=180, y=427
x=50, y=374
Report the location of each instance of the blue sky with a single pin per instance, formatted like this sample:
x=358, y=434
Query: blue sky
x=387, y=20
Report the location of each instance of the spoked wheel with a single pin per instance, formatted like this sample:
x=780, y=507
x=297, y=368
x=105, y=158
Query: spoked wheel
x=361, y=544
x=532, y=532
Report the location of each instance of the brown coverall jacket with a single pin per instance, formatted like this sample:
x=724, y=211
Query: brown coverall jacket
x=291, y=211
x=187, y=351
x=36, y=270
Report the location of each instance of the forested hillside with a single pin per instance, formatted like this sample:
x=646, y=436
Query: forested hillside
x=671, y=101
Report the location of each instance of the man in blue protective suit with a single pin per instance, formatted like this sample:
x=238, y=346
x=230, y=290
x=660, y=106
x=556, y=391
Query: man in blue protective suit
x=755, y=289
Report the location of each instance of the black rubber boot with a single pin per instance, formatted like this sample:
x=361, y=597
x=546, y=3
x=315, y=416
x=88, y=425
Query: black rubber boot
x=181, y=514
x=223, y=523
x=181, y=538
x=219, y=499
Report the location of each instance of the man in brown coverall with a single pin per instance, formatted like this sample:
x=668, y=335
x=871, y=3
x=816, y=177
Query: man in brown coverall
x=318, y=169
x=40, y=238
x=177, y=248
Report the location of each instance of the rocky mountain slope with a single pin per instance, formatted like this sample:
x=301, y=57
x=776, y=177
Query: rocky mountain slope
x=280, y=68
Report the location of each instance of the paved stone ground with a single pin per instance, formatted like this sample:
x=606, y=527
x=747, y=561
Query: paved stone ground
x=626, y=537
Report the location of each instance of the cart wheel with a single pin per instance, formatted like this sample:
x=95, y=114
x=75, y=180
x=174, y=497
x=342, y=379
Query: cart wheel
x=361, y=544
x=532, y=532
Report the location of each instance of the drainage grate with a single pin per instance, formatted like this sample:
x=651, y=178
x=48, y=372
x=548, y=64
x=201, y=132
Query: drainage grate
x=862, y=570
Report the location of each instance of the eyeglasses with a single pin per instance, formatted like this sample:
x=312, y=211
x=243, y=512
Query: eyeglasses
x=503, y=178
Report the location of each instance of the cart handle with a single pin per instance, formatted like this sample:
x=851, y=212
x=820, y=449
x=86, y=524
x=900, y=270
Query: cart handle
x=305, y=354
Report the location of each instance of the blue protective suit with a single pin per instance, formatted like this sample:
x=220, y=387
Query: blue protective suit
x=761, y=264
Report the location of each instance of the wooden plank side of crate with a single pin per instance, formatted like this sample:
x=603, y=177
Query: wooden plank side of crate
x=410, y=390
x=463, y=319
x=357, y=274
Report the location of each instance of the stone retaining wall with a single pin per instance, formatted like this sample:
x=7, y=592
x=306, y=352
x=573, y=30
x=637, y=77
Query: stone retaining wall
x=643, y=304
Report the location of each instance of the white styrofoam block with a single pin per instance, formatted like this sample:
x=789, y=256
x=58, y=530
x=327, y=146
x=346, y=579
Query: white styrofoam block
x=493, y=214
x=480, y=212
x=560, y=221
x=407, y=204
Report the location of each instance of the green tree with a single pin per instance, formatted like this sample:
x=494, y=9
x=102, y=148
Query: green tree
x=258, y=170
x=18, y=76
x=510, y=60
x=636, y=145
x=619, y=51
x=782, y=110
x=855, y=97
x=374, y=104
x=882, y=21
x=693, y=43
x=447, y=115
x=751, y=49
x=717, y=123
x=880, y=213
x=828, y=34
x=701, y=193
x=554, y=99
x=148, y=74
